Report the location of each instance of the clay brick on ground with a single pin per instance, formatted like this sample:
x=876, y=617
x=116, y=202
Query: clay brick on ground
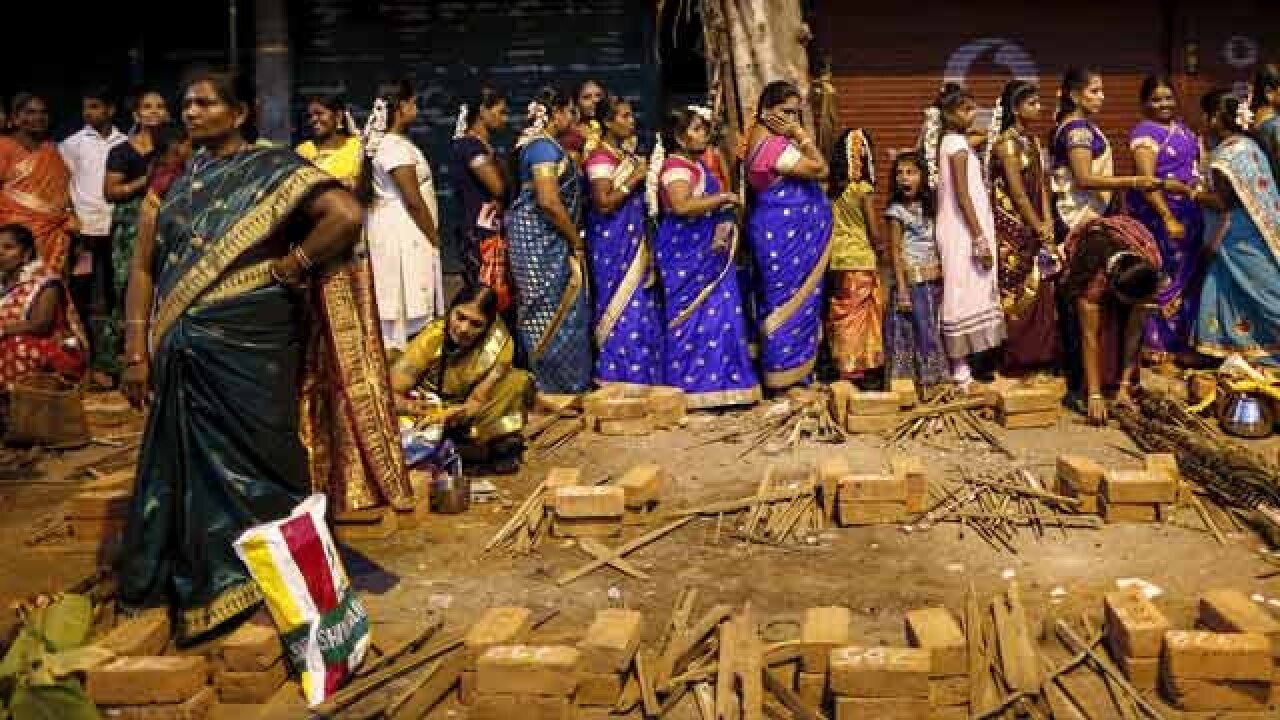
x=1138, y=487
x=872, y=488
x=497, y=626
x=851, y=708
x=1142, y=673
x=910, y=469
x=199, y=707
x=667, y=406
x=598, y=689
x=1196, y=655
x=98, y=504
x=606, y=501
x=586, y=527
x=643, y=484
x=1079, y=474
x=559, y=477
x=1163, y=462
x=1036, y=419
x=871, y=513
x=811, y=687
x=528, y=707
x=871, y=424
x=528, y=670
x=822, y=630
x=147, y=680
x=251, y=687
x=1089, y=504
x=1188, y=694
x=1019, y=400
x=611, y=641
x=1232, y=611
x=146, y=634
x=627, y=428
x=251, y=647
x=874, y=403
x=905, y=389
x=946, y=691
x=1134, y=625
x=936, y=630
x=1127, y=513
x=880, y=672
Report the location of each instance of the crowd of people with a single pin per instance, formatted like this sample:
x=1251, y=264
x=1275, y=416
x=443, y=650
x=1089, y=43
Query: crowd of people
x=282, y=311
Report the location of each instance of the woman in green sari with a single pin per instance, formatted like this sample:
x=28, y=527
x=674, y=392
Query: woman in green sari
x=245, y=257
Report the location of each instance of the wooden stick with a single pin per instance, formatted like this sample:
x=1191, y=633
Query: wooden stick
x=600, y=551
x=1074, y=521
x=729, y=506
x=425, y=692
x=622, y=551
x=790, y=700
x=647, y=695
x=1075, y=644
x=517, y=518
x=1203, y=512
x=354, y=692
x=434, y=623
x=1027, y=491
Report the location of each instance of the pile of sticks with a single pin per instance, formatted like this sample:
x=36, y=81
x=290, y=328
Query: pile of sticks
x=556, y=429
x=948, y=417
x=527, y=527
x=805, y=415
x=786, y=509
x=1000, y=506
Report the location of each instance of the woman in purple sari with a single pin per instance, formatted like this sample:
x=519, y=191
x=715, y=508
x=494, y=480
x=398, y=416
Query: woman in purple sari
x=628, y=329
x=789, y=233
x=705, y=349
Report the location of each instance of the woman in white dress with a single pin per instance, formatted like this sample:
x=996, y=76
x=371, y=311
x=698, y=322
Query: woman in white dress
x=401, y=222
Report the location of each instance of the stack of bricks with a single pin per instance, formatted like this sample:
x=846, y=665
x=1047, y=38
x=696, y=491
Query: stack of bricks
x=1138, y=496
x=1135, y=630
x=847, y=401
x=607, y=651
x=872, y=413
x=1080, y=477
x=880, y=682
x=1038, y=406
x=627, y=410
x=98, y=515
x=642, y=487
x=1215, y=673
x=938, y=632
x=249, y=665
x=152, y=688
x=1230, y=611
x=869, y=499
x=824, y=629
x=910, y=471
x=496, y=627
x=588, y=511
x=905, y=389
x=526, y=681
x=145, y=634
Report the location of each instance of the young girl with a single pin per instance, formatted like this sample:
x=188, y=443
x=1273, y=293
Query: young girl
x=972, y=321
x=913, y=329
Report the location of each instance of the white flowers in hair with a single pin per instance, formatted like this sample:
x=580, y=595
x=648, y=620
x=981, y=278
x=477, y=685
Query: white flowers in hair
x=701, y=111
x=537, y=117
x=993, y=132
x=656, y=158
x=929, y=139
x=1244, y=113
x=460, y=127
x=375, y=128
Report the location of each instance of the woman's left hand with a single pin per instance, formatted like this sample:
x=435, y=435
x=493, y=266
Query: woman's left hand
x=286, y=271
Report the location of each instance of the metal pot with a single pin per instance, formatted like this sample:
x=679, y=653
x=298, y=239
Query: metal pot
x=1244, y=415
x=450, y=493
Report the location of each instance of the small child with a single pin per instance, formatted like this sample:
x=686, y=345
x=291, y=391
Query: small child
x=913, y=328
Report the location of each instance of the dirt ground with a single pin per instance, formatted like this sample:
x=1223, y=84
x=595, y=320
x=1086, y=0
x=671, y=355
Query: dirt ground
x=880, y=572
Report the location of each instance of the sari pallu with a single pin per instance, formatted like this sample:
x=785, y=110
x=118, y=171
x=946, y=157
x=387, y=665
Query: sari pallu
x=628, y=328
x=22, y=355
x=35, y=190
x=222, y=450
x=705, y=350
x=789, y=234
x=855, y=310
x=1240, y=299
x=550, y=287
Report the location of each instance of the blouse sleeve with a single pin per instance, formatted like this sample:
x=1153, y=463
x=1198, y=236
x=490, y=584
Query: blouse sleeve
x=472, y=152
x=1078, y=135
x=1143, y=136
x=896, y=212
x=601, y=166
x=395, y=154
x=541, y=152
x=675, y=173
x=118, y=159
x=952, y=143
x=788, y=158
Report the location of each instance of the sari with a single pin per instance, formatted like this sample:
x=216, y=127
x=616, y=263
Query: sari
x=453, y=378
x=1240, y=300
x=22, y=355
x=1075, y=205
x=484, y=250
x=223, y=449
x=628, y=328
x=789, y=234
x=1267, y=133
x=1177, y=151
x=551, y=293
x=344, y=162
x=855, y=311
x=1027, y=297
x=705, y=350
x=914, y=338
x=35, y=190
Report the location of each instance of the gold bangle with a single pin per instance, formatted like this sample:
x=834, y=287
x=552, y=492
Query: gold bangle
x=302, y=258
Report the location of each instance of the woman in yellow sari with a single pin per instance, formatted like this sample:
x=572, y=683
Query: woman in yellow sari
x=458, y=372
x=333, y=147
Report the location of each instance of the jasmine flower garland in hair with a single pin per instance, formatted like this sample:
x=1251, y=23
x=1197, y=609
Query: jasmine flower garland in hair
x=929, y=139
x=536, y=115
x=460, y=127
x=374, y=128
x=656, y=158
x=993, y=133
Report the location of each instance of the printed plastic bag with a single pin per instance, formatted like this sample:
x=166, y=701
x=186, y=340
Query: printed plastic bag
x=324, y=626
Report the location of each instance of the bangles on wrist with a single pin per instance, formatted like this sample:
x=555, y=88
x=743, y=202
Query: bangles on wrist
x=302, y=258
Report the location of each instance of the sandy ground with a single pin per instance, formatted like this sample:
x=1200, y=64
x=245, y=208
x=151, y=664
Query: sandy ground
x=880, y=572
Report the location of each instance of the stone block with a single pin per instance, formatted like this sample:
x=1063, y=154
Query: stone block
x=1034, y=419
x=874, y=403
x=497, y=626
x=1135, y=626
x=910, y=469
x=467, y=687
x=871, y=513
x=147, y=680
x=858, y=708
x=1196, y=655
x=250, y=648
x=880, y=672
x=643, y=485
x=1021, y=400
x=1138, y=487
x=611, y=641
x=146, y=634
x=598, y=690
x=524, y=707
x=575, y=502
x=949, y=712
x=872, y=488
x=1231, y=611
x=936, y=630
x=559, y=477
x=1189, y=694
x=905, y=389
x=586, y=527
x=252, y=687
x=1079, y=474
x=198, y=707
x=947, y=691
x=1128, y=513
x=822, y=630
x=627, y=428
x=528, y=670
x=667, y=406
x=871, y=424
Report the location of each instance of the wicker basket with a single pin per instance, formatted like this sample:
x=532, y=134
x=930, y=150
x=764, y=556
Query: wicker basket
x=46, y=409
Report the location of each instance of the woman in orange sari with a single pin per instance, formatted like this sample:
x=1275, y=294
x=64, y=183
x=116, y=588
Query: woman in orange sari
x=35, y=184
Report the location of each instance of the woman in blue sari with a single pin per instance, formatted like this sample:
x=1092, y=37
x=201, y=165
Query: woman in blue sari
x=705, y=350
x=1266, y=113
x=244, y=269
x=546, y=252
x=1240, y=299
x=628, y=326
x=789, y=234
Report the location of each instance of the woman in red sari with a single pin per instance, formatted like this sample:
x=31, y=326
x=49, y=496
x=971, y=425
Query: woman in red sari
x=35, y=184
x=39, y=329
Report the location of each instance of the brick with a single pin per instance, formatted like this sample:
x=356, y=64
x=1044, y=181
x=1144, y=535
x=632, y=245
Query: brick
x=857, y=708
x=871, y=424
x=667, y=406
x=1142, y=673
x=611, y=641
x=946, y=691
x=252, y=687
x=531, y=707
x=949, y=712
x=559, y=477
x=598, y=689
x=1020, y=400
x=1089, y=505
x=1195, y=655
x=1128, y=513
x=822, y=630
x=872, y=488
x=627, y=428
x=910, y=469
x=1080, y=474
x=1188, y=694
x=614, y=404
x=99, y=504
x=1163, y=462
x=606, y=501
x=199, y=707
x=785, y=674
x=830, y=471
x=1138, y=486
x=936, y=630
x=251, y=647
x=528, y=670
x=874, y=403
x=146, y=634
x=1231, y=611
x=905, y=389
x=147, y=680
x=1134, y=625
x=871, y=513
x=586, y=527
x=643, y=485
x=1035, y=419
x=880, y=672
x=497, y=626
x=812, y=688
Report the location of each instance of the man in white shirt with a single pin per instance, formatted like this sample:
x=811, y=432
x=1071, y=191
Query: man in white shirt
x=85, y=153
